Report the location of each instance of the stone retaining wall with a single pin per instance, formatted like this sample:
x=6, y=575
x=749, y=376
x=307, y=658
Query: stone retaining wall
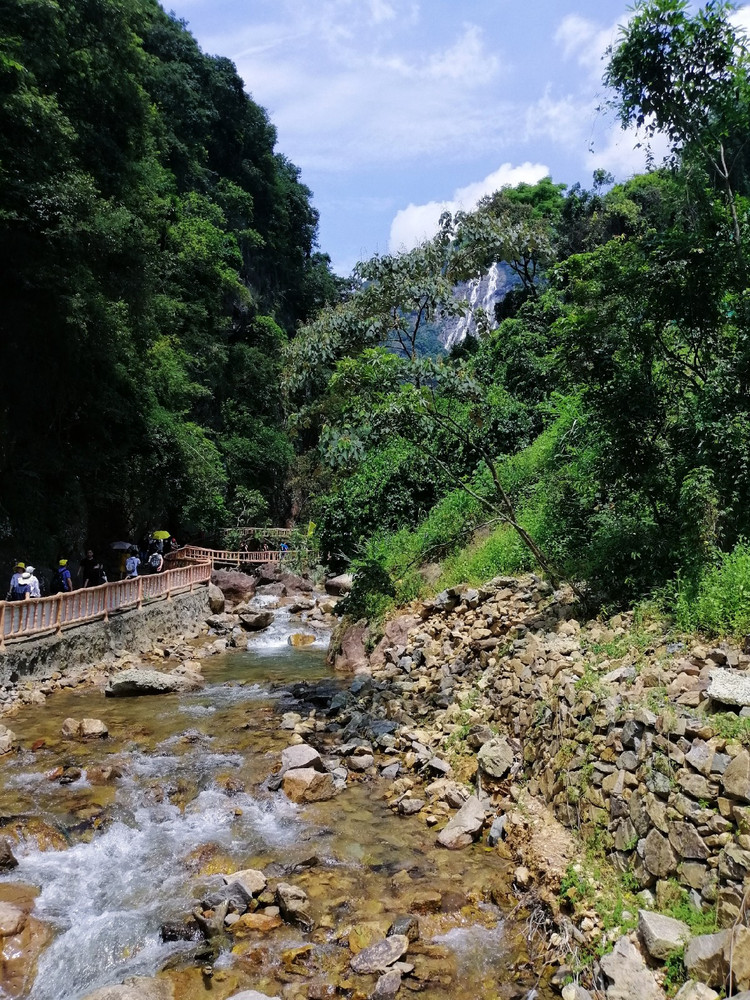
x=87, y=645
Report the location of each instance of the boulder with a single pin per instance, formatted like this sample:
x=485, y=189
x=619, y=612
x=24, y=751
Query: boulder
x=495, y=758
x=631, y=980
x=254, y=923
x=216, y=600
x=685, y=839
x=136, y=988
x=251, y=880
x=338, y=585
x=7, y=738
x=301, y=755
x=293, y=904
x=300, y=639
x=737, y=954
x=704, y=958
x=139, y=681
x=12, y=919
x=71, y=728
x=730, y=687
x=736, y=778
x=692, y=990
x=304, y=784
x=661, y=935
x=380, y=955
x=93, y=729
x=387, y=986
x=465, y=826
x=256, y=621
x=351, y=654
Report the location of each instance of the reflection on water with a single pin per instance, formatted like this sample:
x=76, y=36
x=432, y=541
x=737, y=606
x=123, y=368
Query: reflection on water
x=115, y=861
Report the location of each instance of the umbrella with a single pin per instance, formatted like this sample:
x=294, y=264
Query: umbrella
x=160, y=534
x=121, y=546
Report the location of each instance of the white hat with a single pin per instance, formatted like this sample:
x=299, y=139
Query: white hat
x=30, y=570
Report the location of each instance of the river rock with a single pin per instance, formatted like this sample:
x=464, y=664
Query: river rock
x=407, y=925
x=216, y=600
x=7, y=858
x=251, y=995
x=495, y=758
x=254, y=923
x=301, y=755
x=256, y=621
x=300, y=639
x=465, y=825
x=139, y=681
x=136, y=988
x=93, y=729
x=730, y=687
x=631, y=980
x=661, y=935
x=7, y=738
x=304, y=784
x=380, y=955
x=387, y=986
x=251, y=880
x=736, y=778
x=20, y=951
x=294, y=904
x=12, y=919
x=704, y=958
x=692, y=990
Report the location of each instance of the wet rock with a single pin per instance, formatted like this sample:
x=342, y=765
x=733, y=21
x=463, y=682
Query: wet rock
x=7, y=739
x=360, y=762
x=136, y=988
x=405, y=925
x=380, y=955
x=256, y=621
x=495, y=758
x=136, y=682
x=252, y=995
x=736, y=778
x=254, y=923
x=387, y=986
x=410, y=807
x=730, y=687
x=7, y=858
x=216, y=600
x=12, y=919
x=293, y=904
x=300, y=639
x=704, y=958
x=304, y=784
x=234, y=895
x=661, y=935
x=497, y=831
x=251, y=880
x=93, y=729
x=631, y=980
x=573, y=991
x=301, y=755
x=103, y=774
x=465, y=825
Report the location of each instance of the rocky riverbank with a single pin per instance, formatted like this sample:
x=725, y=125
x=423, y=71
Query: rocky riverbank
x=607, y=760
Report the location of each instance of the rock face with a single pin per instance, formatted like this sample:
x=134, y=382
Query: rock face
x=305, y=784
x=730, y=687
x=661, y=935
x=495, y=758
x=465, y=826
x=631, y=980
x=136, y=682
x=380, y=955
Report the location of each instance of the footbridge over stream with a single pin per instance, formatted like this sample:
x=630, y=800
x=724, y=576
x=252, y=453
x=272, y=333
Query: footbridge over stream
x=185, y=570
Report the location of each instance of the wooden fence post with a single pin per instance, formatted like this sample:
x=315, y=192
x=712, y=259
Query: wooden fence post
x=140, y=592
x=2, y=624
x=58, y=620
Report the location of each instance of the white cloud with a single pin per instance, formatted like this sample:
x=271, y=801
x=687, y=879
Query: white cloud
x=741, y=19
x=587, y=41
x=416, y=223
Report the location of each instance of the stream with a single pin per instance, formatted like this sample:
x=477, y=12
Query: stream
x=174, y=798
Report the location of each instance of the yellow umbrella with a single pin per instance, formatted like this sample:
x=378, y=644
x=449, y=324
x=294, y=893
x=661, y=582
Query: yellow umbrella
x=160, y=534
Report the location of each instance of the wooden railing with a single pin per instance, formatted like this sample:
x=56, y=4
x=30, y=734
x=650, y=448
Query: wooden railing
x=226, y=557
x=20, y=619
x=245, y=531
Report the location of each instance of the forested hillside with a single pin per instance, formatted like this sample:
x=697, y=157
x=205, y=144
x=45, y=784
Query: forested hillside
x=156, y=253
x=599, y=426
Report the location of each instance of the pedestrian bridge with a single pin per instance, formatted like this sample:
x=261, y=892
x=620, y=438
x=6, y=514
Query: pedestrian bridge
x=221, y=558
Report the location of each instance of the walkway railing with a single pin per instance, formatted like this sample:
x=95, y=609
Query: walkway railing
x=227, y=557
x=20, y=619
x=246, y=531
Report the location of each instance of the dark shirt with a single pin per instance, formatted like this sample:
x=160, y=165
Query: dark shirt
x=87, y=571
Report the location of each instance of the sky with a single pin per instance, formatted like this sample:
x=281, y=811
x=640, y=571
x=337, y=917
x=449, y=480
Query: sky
x=396, y=110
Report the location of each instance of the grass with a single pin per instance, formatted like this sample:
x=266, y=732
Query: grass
x=719, y=602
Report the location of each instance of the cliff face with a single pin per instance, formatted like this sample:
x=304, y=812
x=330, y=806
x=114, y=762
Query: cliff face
x=484, y=293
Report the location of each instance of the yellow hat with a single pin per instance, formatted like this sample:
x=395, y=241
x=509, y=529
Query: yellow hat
x=20, y=565
x=63, y=562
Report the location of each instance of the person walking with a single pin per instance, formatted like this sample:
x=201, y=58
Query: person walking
x=18, y=590
x=34, y=590
x=156, y=562
x=62, y=581
x=86, y=569
x=131, y=564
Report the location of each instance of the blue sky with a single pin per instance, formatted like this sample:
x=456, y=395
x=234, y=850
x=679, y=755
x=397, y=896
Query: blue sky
x=397, y=109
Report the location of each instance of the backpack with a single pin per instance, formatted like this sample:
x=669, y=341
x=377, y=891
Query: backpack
x=131, y=564
x=20, y=590
x=154, y=560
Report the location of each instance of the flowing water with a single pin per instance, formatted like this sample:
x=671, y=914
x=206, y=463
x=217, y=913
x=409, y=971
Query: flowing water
x=115, y=861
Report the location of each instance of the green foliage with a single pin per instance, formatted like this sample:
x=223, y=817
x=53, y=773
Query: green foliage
x=675, y=973
x=371, y=595
x=160, y=248
x=718, y=601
